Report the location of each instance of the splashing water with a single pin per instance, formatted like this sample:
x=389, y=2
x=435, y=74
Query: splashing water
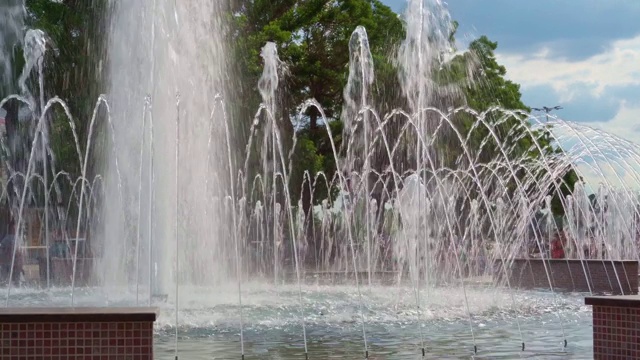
x=12, y=14
x=410, y=235
x=157, y=50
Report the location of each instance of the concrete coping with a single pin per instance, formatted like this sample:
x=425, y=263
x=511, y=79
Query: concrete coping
x=628, y=301
x=77, y=314
x=606, y=261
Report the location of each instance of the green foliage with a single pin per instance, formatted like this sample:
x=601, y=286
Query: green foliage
x=566, y=186
x=309, y=164
x=62, y=143
x=488, y=88
x=324, y=158
x=77, y=30
x=484, y=85
x=313, y=40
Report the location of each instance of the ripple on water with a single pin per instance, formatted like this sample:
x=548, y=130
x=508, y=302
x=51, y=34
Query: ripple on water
x=396, y=328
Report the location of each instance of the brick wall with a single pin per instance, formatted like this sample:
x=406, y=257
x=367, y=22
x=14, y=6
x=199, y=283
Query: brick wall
x=612, y=277
x=76, y=334
x=616, y=324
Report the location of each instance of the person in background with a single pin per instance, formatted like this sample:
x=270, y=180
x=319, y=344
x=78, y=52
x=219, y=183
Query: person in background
x=7, y=258
x=557, y=247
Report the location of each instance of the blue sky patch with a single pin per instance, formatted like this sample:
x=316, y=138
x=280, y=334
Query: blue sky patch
x=583, y=55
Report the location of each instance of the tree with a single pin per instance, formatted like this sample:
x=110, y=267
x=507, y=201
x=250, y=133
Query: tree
x=77, y=32
x=313, y=40
x=488, y=88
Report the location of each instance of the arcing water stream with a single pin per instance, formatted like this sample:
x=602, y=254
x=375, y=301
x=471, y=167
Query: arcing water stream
x=177, y=209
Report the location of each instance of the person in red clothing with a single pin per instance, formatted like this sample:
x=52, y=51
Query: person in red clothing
x=557, y=247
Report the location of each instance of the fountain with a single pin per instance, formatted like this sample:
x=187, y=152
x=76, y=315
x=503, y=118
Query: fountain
x=415, y=254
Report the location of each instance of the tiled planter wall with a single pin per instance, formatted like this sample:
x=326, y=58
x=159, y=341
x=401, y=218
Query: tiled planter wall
x=103, y=334
x=599, y=276
x=616, y=327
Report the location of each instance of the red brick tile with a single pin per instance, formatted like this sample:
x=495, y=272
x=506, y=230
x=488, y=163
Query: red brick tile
x=92, y=341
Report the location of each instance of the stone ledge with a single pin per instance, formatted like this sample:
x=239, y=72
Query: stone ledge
x=78, y=314
x=590, y=261
x=628, y=301
x=616, y=277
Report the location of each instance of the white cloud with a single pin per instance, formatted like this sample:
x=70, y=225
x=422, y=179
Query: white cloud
x=611, y=175
x=617, y=66
x=625, y=124
x=604, y=157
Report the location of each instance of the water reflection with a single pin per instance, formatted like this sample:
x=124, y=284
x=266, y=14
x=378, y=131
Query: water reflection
x=496, y=339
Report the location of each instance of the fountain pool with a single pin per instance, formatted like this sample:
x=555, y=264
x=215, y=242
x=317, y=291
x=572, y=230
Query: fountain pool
x=210, y=325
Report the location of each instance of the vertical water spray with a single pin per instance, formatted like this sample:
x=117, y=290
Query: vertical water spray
x=12, y=15
x=410, y=200
x=177, y=225
x=140, y=218
x=34, y=49
x=355, y=116
x=186, y=55
x=268, y=86
x=428, y=29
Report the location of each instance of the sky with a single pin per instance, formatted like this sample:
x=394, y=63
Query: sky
x=583, y=55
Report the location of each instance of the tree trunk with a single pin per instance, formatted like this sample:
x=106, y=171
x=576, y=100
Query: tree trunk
x=313, y=119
